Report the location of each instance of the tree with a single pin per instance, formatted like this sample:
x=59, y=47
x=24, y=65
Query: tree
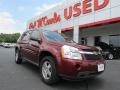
x=9, y=38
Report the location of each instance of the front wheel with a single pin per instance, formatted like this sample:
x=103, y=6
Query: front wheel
x=48, y=70
x=18, y=59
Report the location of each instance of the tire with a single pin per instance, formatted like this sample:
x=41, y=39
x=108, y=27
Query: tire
x=110, y=56
x=48, y=70
x=18, y=59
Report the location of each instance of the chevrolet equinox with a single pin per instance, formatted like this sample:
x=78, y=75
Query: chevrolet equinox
x=58, y=56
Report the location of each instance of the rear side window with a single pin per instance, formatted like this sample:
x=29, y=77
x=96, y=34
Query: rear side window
x=26, y=36
x=35, y=34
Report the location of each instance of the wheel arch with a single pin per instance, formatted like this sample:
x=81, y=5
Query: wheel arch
x=55, y=75
x=46, y=53
x=16, y=48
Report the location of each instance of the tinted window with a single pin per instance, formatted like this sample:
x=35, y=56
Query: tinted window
x=53, y=36
x=57, y=37
x=26, y=36
x=35, y=34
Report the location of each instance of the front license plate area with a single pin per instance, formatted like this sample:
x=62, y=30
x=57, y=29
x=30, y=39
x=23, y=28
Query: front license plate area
x=100, y=67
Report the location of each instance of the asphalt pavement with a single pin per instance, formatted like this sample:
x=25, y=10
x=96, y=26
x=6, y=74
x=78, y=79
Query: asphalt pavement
x=26, y=76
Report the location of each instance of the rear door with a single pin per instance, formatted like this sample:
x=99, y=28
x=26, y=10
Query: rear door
x=24, y=44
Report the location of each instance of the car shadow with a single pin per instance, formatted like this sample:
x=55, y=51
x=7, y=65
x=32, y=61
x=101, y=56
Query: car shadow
x=31, y=67
x=96, y=82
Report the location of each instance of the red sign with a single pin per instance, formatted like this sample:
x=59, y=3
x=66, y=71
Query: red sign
x=83, y=7
x=45, y=21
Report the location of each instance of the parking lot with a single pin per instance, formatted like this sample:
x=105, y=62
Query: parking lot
x=26, y=76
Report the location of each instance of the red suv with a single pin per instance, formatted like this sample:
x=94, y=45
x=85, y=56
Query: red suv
x=58, y=56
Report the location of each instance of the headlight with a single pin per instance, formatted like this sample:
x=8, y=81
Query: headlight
x=70, y=52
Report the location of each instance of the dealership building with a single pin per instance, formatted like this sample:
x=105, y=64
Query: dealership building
x=86, y=21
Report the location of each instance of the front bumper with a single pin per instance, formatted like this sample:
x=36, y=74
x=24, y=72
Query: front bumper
x=81, y=68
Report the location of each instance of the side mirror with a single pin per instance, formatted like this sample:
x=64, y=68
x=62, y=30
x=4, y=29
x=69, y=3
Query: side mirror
x=39, y=41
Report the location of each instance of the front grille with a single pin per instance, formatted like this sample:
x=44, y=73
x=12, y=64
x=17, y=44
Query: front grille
x=92, y=56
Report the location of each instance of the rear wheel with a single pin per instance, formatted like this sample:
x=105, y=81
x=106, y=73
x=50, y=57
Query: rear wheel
x=48, y=70
x=18, y=59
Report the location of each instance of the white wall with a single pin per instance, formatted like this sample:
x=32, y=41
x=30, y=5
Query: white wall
x=76, y=34
x=110, y=11
x=90, y=41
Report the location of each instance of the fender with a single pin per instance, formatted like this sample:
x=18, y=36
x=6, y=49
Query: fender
x=56, y=54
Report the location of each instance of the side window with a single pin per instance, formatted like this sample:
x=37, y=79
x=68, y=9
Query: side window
x=35, y=34
x=26, y=36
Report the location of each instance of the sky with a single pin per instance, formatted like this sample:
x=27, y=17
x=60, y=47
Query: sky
x=14, y=14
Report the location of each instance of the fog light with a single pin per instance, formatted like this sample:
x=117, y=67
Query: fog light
x=78, y=66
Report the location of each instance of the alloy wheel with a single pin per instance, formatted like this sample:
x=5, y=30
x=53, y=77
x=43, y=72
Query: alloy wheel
x=46, y=70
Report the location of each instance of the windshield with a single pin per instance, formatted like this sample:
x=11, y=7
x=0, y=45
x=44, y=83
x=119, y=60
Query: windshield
x=57, y=37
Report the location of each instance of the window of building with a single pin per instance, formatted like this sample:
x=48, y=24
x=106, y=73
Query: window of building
x=97, y=39
x=84, y=40
x=115, y=40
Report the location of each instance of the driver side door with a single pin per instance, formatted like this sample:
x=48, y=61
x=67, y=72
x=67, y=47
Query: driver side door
x=34, y=46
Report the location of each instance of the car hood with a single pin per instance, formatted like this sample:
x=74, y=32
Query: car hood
x=79, y=46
